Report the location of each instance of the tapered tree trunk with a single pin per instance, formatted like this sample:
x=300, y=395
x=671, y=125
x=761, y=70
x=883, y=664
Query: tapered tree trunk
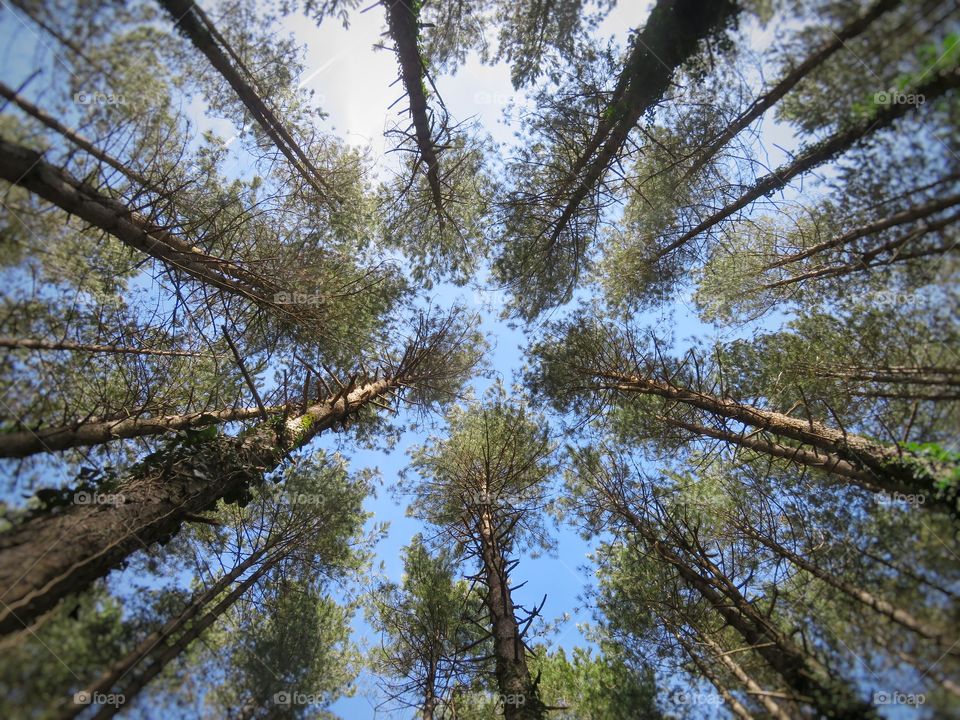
x=403, y=24
x=820, y=153
x=27, y=168
x=869, y=259
x=190, y=19
x=28, y=442
x=34, y=344
x=520, y=695
x=894, y=375
x=671, y=36
x=54, y=555
x=900, y=218
x=736, y=707
x=816, y=459
x=766, y=101
x=803, y=673
x=885, y=464
x=738, y=672
x=898, y=615
x=155, y=642
x=168, y=653
x=81, y=142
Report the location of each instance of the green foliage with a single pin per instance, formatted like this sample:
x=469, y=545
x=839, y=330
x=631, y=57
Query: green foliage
x=601, y=686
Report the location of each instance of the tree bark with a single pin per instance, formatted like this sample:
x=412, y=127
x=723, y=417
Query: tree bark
x=54, y=555
x=819, y=153
x=169, y=653
x=815, y=459
x=404, y=28
x=34, y=344
x=885, y=464
x=896, y=614
x=155, y=641
x=790, y=80
x=27, y=168
x=669, y=38
x=513, y=675
x=29, y=442
x=190, y=19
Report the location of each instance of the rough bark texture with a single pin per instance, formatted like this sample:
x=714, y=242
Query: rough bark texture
x=54, y=555
x=820, y=153
x=404, y=26
x=883, y=463
x=816, y=459
x=28, y=442
x=669, y=38
x=513, y=675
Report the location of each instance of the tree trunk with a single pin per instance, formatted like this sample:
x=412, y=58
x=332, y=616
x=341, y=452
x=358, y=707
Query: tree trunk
x=816, y=459
x=168, y=653
x=404, y=27
x=883, y=463
x=898, y=615
x=520, y=696
x=33, y=344
x=54, y=555
x=738, y=672
x=790, y=80
x=194, y=23
x=735, y=705
x=821, y=152
x=671, y=35
x=900, y=218
x=27, y=168
x=81, y=142
x=29, y=442
x=803, y=673
x=155, y=641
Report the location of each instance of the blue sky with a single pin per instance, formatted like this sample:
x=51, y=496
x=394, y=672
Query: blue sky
x=352, y=82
